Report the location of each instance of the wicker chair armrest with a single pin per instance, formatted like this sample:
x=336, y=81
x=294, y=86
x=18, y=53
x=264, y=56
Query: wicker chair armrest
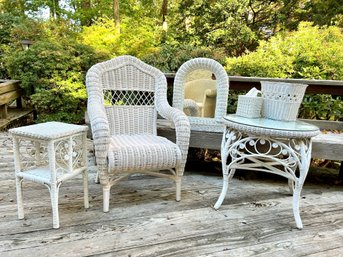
x=182, y=127
x=100, y=131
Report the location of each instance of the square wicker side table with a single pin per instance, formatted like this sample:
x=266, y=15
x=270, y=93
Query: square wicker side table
x=49, y=153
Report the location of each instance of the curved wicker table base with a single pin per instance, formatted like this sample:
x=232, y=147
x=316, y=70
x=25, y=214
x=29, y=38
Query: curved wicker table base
x=269, y=150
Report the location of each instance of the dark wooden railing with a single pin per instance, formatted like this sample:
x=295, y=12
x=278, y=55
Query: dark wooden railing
x=332, y=87
x=9, y=90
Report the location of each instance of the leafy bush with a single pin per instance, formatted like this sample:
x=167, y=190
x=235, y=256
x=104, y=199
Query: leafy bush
x=169, y=58
x=53, y=72
x=136, y=37
x=309, y=53
x=322, y=107
x=7, y=23
x=220, y=24
x=66, y=102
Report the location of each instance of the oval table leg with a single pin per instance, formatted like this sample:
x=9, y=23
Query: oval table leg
x=223, y=193
x=296, y=201
x=226, y=180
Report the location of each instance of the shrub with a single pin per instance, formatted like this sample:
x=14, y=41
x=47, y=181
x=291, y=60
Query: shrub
x=65, y=102
x=137, y=37
x=309, y=53
x=7, y=23
x=169, y=58
x=322, y=107
x=54, y=73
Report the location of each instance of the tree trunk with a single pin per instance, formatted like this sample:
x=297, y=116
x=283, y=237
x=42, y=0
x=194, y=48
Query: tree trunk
x=85, y=19
x=116, y=14
x=86, y=4
x=55, y=11
x=164, y=12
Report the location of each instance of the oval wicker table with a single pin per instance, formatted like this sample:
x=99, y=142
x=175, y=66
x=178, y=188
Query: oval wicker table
x=278, y=147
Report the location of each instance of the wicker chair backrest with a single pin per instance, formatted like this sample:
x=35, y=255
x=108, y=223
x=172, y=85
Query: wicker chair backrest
x=128, y=92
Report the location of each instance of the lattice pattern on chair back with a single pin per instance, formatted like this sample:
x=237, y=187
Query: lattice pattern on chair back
x=128, y=90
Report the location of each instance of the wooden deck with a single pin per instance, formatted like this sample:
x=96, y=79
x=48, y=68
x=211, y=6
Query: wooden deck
x=256, y=219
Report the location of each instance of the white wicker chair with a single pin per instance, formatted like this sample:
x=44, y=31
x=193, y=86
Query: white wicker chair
x=124, y=97
x=222, y=87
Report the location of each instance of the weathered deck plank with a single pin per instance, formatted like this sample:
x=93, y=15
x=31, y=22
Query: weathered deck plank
x=255, y=219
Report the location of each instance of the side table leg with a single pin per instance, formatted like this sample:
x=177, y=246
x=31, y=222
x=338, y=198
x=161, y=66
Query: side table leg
x=97, y=179
x=106, y=189
x=54, y=204
x=20, y=205
x=18, y=180
x=54, y=186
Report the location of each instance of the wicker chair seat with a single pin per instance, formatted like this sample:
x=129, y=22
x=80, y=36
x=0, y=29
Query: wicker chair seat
x=134, y=153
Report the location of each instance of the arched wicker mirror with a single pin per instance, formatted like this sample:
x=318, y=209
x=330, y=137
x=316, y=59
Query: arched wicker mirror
x=201, y=90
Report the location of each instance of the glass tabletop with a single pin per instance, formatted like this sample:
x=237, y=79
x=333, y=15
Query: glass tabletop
x=271, y=124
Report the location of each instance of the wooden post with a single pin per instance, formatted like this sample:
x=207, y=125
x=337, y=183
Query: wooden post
x=3, y=111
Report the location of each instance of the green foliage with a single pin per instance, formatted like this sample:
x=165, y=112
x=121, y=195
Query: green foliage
x=220, y=24
x=137, y=37
x=169, y=59
x=325, y=12
x=310, y=52
x=53, y=70
x=322, y=107
x=14, y=8
x=7, y=23
x=65, y=102
x=78, y=34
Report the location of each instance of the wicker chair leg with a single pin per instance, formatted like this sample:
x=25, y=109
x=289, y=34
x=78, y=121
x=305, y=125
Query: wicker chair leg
x=85, y=189
x=54, y=205
x=178, y=188
x=106, y=197
x=19, y=198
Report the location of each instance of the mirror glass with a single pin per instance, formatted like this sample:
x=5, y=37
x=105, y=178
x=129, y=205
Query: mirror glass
x=200, y=94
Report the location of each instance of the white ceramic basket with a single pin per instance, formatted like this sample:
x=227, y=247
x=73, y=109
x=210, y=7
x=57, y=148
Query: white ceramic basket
x=249, y=106
x=281, y=100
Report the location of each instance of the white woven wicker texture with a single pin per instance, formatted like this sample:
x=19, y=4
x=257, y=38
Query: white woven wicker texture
x=249, y=106
x=222, y=86
x=281, y=100
x=49, y=153
x=124, y=97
